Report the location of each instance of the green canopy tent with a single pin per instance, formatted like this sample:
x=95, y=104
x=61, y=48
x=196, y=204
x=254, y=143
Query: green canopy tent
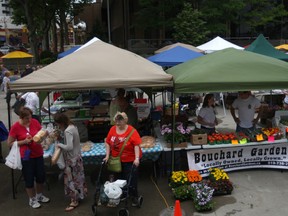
x=230, y=70
x=264, y=47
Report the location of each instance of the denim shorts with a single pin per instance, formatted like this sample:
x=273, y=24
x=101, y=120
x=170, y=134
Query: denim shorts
x=33, y=170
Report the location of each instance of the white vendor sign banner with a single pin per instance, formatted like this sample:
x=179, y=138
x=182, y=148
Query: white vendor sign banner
x=239, y=157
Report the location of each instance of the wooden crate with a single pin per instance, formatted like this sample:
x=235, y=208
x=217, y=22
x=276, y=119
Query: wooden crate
x=199, y=139
x=100, y=110
x=178, y=145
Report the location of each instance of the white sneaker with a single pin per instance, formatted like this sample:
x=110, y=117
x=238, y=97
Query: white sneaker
x=43, y=199
x=34, y=203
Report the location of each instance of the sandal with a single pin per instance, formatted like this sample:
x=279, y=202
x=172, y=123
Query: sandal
x=71, y=206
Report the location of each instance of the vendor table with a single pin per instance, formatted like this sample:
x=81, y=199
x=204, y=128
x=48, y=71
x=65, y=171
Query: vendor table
x=241, y=156
x=46, y=119
x=97, y=153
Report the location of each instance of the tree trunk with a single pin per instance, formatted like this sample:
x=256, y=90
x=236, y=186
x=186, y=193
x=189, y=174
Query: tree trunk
x=54, y=35
x=61, y=26
x=45, y=41
x=33, y=40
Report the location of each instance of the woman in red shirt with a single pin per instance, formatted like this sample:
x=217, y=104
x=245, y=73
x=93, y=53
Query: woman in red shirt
x=131, y=153
x=31, y=153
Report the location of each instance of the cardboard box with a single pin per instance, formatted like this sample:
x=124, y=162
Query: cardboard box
x=199, y=139
x=71, y=113
x=100, y=110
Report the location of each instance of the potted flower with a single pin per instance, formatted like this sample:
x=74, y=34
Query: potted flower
x=180, y=183
x=219, y=180
x=202, y=196
x=183, y=192
x=193, y=176
x=178, y=178
x=181, y=134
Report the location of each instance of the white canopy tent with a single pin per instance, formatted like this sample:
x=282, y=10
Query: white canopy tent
x=216, y=44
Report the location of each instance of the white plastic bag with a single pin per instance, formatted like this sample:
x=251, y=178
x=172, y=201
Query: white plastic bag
x=60, y=161
x=112, y=190
x=13, y=160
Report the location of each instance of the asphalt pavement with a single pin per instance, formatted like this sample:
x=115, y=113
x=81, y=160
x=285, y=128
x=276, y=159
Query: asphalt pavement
x=256, y=192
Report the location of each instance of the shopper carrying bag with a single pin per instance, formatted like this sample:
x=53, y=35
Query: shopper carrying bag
x=114, y=163
x=124, y=137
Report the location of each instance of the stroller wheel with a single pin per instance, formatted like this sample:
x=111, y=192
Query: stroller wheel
x=123, y=212
x=94, y=210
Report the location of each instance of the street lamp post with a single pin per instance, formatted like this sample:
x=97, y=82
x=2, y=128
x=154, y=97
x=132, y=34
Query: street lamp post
x=4, y=21
x=108, y=22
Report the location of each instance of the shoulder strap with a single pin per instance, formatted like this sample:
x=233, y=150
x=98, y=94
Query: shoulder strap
x=130, y=134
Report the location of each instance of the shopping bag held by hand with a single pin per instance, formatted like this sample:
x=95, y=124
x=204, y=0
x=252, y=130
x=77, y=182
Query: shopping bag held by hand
x=61, y=161
x=56, y=155
x=13, y=160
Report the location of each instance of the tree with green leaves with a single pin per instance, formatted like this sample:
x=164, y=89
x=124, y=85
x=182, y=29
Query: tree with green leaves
x=261, y=14
x=221, y=14
x=36, y=15
x=189, y=26
x=39, y=15
x=158, y=16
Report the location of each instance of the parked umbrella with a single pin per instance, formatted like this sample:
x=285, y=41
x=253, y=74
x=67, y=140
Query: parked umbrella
x=17, y=55
x=282, y=47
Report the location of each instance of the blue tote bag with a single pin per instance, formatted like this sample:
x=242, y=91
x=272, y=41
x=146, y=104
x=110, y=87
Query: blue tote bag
x=3, y=132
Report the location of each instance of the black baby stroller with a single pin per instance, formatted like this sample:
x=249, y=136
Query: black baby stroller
x=100, y=199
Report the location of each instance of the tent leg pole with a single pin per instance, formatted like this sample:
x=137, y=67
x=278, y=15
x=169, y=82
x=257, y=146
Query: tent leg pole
x=173, y=127
x=49, y=107
x=223, y=103
x=8, y=97
x=13, y=184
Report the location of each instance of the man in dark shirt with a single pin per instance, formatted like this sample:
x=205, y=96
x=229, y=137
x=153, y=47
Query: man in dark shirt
x=27, y=71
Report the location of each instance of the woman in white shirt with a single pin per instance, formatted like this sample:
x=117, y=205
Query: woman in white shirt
x=6, y=82
x=206, y=116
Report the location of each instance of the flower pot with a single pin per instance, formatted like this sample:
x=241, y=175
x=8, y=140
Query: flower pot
x=203, y=209
x=221, y=193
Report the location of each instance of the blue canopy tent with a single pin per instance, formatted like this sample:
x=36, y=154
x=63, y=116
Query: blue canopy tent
x=67, y=52
x=174, y=56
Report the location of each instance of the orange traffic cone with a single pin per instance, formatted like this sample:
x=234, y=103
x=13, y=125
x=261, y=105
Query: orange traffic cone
x=177, y=208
